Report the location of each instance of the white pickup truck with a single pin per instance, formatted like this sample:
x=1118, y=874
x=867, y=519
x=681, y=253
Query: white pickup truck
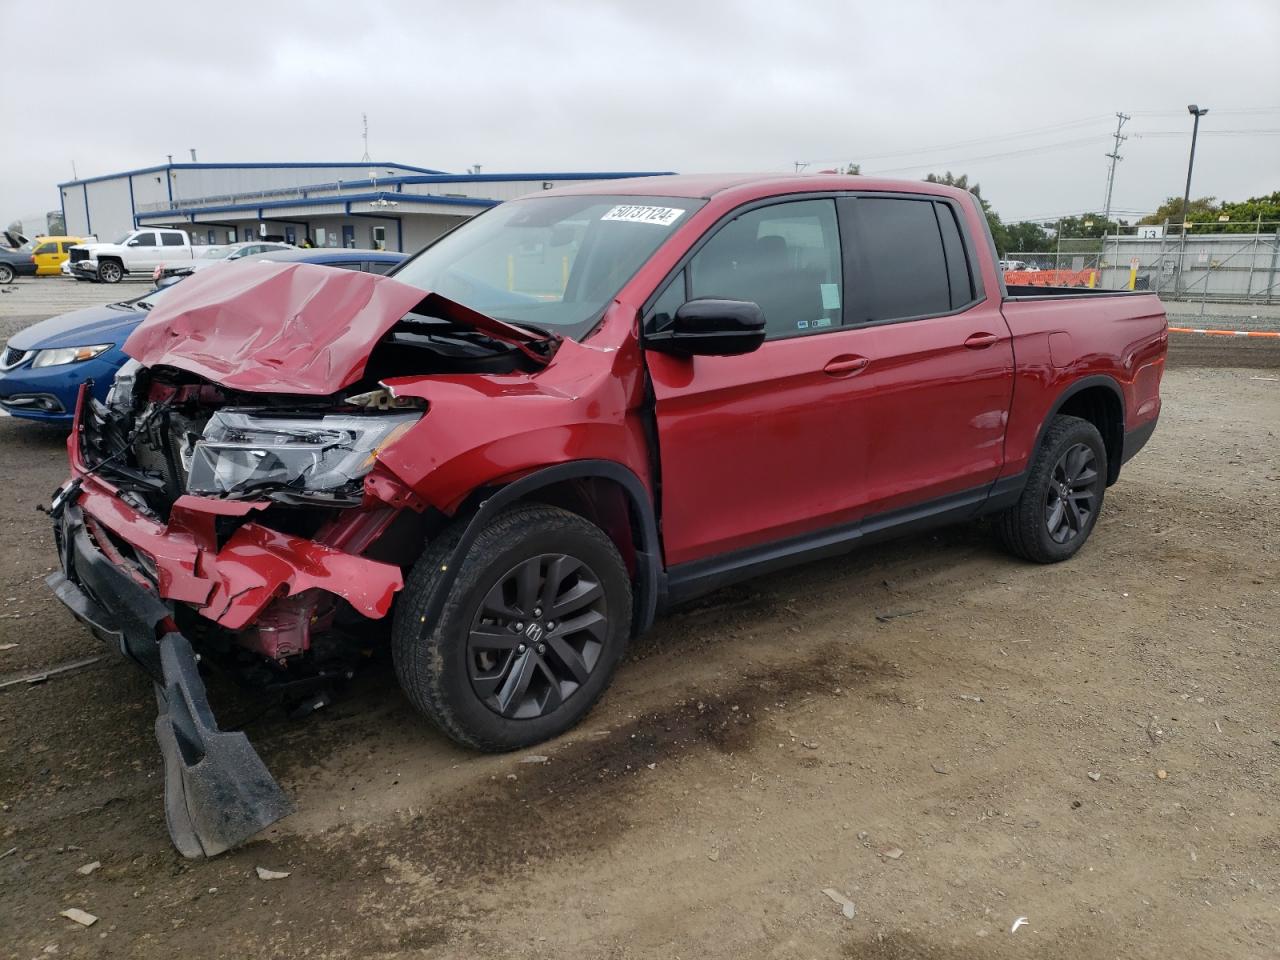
x=136, y=253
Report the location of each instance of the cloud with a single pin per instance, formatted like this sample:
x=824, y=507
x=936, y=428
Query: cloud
x=691, y=86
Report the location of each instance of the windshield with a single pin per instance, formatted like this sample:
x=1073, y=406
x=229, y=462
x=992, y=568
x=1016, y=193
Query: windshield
x=553, y=263
x=119, y=241
x=215, y=253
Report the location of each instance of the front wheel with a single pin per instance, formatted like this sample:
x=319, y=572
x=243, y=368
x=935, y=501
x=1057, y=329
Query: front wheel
x=110, y=272
x=533, y=626
x=1063, y=496
x=6, y=274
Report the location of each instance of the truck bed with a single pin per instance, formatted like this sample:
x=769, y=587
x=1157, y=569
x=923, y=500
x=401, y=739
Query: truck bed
x=1017, y=291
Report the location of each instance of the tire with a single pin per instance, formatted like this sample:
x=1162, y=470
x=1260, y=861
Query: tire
x=6, y=274
x=110, y=272
x=1069, y=471
x=465, y=670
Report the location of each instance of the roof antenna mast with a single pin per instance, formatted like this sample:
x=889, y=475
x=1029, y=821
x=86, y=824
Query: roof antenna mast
x=364, y=117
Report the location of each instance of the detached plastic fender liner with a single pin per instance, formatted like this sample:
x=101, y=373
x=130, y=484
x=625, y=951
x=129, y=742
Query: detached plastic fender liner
x=217, y=791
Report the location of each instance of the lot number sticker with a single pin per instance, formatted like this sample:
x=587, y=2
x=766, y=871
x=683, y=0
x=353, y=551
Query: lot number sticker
x=632, y=213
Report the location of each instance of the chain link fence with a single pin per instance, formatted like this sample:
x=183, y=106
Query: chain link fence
x=1214, y=268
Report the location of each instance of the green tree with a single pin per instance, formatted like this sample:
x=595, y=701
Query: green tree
x=998, y=231
x=1088, y=226
x=854, y=169
x=1028, y=237
x=1202, y=209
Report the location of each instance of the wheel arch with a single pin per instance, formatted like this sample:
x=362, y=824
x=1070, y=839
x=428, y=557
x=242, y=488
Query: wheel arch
x=1099, y=400
x=604, y=492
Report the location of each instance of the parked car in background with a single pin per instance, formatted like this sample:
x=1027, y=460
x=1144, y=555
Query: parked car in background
x=212, y=255
x=344, y=258
x=560, y=418
x=136, y=253
x=43, y=366
x=16, y=263
x=51, y=253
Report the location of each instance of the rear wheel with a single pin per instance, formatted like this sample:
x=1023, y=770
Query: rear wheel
x=535, y=622
x=110, y=272
x=1063, y=496
x=6, y=274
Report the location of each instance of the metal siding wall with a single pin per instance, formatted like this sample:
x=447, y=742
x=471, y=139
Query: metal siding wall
x=109, y=211
x=488, y=189
x=421, y=230
x=149, y=190
x=236, y=181
x=73, y=202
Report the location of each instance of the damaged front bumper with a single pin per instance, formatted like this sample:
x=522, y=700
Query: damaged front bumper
x=218, y=792
x=123, y=574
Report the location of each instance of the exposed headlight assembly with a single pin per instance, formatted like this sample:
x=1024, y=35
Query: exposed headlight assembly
x=242, y=453
x=60, y=355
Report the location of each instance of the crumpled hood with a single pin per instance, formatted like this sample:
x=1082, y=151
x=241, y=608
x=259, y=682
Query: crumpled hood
x=285, y=327
x=79, y=328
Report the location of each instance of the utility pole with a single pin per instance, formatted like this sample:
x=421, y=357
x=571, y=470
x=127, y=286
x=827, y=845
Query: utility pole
x=364, y=118
x=1196, y=112
x=1115, y=157
x=800, y=165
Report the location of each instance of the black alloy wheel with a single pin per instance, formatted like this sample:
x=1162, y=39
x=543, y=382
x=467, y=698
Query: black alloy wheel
x=1061, y=499
x=1072, y=494
x=510, y=640
x=537, y=636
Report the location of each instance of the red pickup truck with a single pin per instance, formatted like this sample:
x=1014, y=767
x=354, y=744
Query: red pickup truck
x=559, y=419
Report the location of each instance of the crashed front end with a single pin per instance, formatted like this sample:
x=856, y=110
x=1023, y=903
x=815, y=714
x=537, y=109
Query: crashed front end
x=189, y=515
x=228, y=504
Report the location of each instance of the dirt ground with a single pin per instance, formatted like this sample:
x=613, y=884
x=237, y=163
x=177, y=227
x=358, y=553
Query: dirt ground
x=950, y=738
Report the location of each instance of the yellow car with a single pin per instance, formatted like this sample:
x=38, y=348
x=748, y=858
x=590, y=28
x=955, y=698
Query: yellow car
x=50, y=252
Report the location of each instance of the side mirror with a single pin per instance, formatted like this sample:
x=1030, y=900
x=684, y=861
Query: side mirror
x=711, y=328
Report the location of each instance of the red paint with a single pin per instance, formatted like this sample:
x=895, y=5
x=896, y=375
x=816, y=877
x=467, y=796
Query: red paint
x=803, y=434
x=286, y=327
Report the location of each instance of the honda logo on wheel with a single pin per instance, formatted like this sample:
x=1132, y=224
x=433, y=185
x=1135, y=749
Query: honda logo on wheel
x=534, y=632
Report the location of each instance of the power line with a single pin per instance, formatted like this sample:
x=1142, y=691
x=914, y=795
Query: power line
x=1034, y=131
x=1210, y=133
x=1026, y=151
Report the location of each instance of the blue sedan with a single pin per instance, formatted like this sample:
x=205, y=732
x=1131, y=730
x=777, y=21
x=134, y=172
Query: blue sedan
x=43, y=366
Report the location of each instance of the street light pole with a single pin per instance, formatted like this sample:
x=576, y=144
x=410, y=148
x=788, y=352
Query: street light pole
x=1196, y=112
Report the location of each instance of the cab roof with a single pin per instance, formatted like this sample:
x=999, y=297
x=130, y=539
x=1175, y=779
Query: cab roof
x=707, y=185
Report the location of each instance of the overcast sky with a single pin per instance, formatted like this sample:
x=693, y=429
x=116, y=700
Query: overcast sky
x=1020, y=95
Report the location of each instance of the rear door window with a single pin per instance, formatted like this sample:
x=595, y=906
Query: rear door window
x=894, y=259
x=172, y=239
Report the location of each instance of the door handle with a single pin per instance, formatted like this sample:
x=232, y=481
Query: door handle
x=845, y=365
x=980, y=341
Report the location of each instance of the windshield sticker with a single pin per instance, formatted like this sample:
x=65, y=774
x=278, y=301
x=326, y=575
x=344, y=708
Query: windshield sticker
x=830, y=296
x=632, y=213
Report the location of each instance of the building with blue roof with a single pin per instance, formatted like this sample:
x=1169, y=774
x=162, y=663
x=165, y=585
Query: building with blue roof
x=390, y=206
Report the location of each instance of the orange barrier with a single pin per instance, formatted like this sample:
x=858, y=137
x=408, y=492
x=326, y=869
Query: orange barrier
x=1052, y=278
x=1225, y=333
